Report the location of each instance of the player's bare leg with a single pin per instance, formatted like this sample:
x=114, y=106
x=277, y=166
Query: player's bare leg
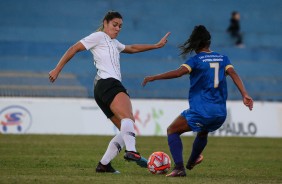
x=122, y=108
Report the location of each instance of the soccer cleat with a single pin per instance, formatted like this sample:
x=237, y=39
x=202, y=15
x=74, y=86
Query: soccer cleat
x=142, y=162
x=106, y=168
x=190, y=166
x=177, y=172
x=135, y=156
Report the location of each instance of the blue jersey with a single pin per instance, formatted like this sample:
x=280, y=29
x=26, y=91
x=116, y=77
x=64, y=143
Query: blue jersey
x=208, y=88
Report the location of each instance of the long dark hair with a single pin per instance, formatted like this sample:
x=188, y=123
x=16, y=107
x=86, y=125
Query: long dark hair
x=110, y=15
x=199, y=39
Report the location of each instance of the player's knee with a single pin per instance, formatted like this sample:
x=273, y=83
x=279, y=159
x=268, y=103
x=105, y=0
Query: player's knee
x=170, y=130
x=130, y=116
x=125, y=116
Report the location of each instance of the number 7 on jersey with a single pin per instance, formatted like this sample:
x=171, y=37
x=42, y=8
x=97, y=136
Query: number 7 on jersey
x=216, y=70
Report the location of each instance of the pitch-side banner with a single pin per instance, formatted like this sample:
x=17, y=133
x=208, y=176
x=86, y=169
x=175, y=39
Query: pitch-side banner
x=152, y=117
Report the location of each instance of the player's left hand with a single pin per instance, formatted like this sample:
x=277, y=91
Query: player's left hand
x=163, y=41
x=248, y=101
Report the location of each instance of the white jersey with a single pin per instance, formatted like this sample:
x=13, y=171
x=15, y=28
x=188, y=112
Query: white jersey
x=105, y=54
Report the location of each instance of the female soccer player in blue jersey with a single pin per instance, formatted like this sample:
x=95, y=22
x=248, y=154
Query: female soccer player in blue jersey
x=207, y=97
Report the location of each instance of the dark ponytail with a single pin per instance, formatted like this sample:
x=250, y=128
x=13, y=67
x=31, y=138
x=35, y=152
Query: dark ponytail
x=108, y=17
x=199, y=39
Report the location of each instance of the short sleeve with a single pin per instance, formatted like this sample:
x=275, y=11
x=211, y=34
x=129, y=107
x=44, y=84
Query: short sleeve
x=119, y=46
x=189, y=64
x=91, y=40
x=227, y=63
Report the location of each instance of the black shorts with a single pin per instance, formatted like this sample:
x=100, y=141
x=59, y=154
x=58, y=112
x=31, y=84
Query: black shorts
x=105, y=91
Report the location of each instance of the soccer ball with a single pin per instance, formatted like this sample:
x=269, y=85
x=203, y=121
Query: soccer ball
x=159, y=163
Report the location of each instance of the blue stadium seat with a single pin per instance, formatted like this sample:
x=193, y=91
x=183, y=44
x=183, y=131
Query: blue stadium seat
x=35, y=34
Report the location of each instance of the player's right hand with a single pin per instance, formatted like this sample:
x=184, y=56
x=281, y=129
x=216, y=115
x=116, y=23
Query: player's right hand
x=53, y=74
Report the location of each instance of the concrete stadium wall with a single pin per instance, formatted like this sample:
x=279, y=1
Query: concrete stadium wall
x=83, y=116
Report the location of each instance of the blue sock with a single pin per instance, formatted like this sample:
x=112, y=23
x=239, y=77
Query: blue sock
x=199, y=145
x=175, y=146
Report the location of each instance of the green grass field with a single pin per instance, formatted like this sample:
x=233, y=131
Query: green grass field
x=72, y=159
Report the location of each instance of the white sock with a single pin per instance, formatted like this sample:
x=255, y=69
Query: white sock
x=128, y=135
x=115, y=146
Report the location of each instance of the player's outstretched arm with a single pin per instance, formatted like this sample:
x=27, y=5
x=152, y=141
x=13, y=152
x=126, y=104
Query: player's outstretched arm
x=53, y=74
x=130, y=49
x=247, y=100
x=167, y=75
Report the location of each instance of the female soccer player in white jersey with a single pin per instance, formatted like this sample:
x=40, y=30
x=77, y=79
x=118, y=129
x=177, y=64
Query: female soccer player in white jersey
x=207, y=97
x=109, y=93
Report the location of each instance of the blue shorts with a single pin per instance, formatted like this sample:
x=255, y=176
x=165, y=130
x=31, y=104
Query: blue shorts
x=199, y=123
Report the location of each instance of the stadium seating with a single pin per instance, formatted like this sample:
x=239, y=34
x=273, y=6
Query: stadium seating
x=35, y=34
x=36, y=84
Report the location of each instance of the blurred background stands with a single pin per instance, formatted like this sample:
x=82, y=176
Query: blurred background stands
x=35, y=34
